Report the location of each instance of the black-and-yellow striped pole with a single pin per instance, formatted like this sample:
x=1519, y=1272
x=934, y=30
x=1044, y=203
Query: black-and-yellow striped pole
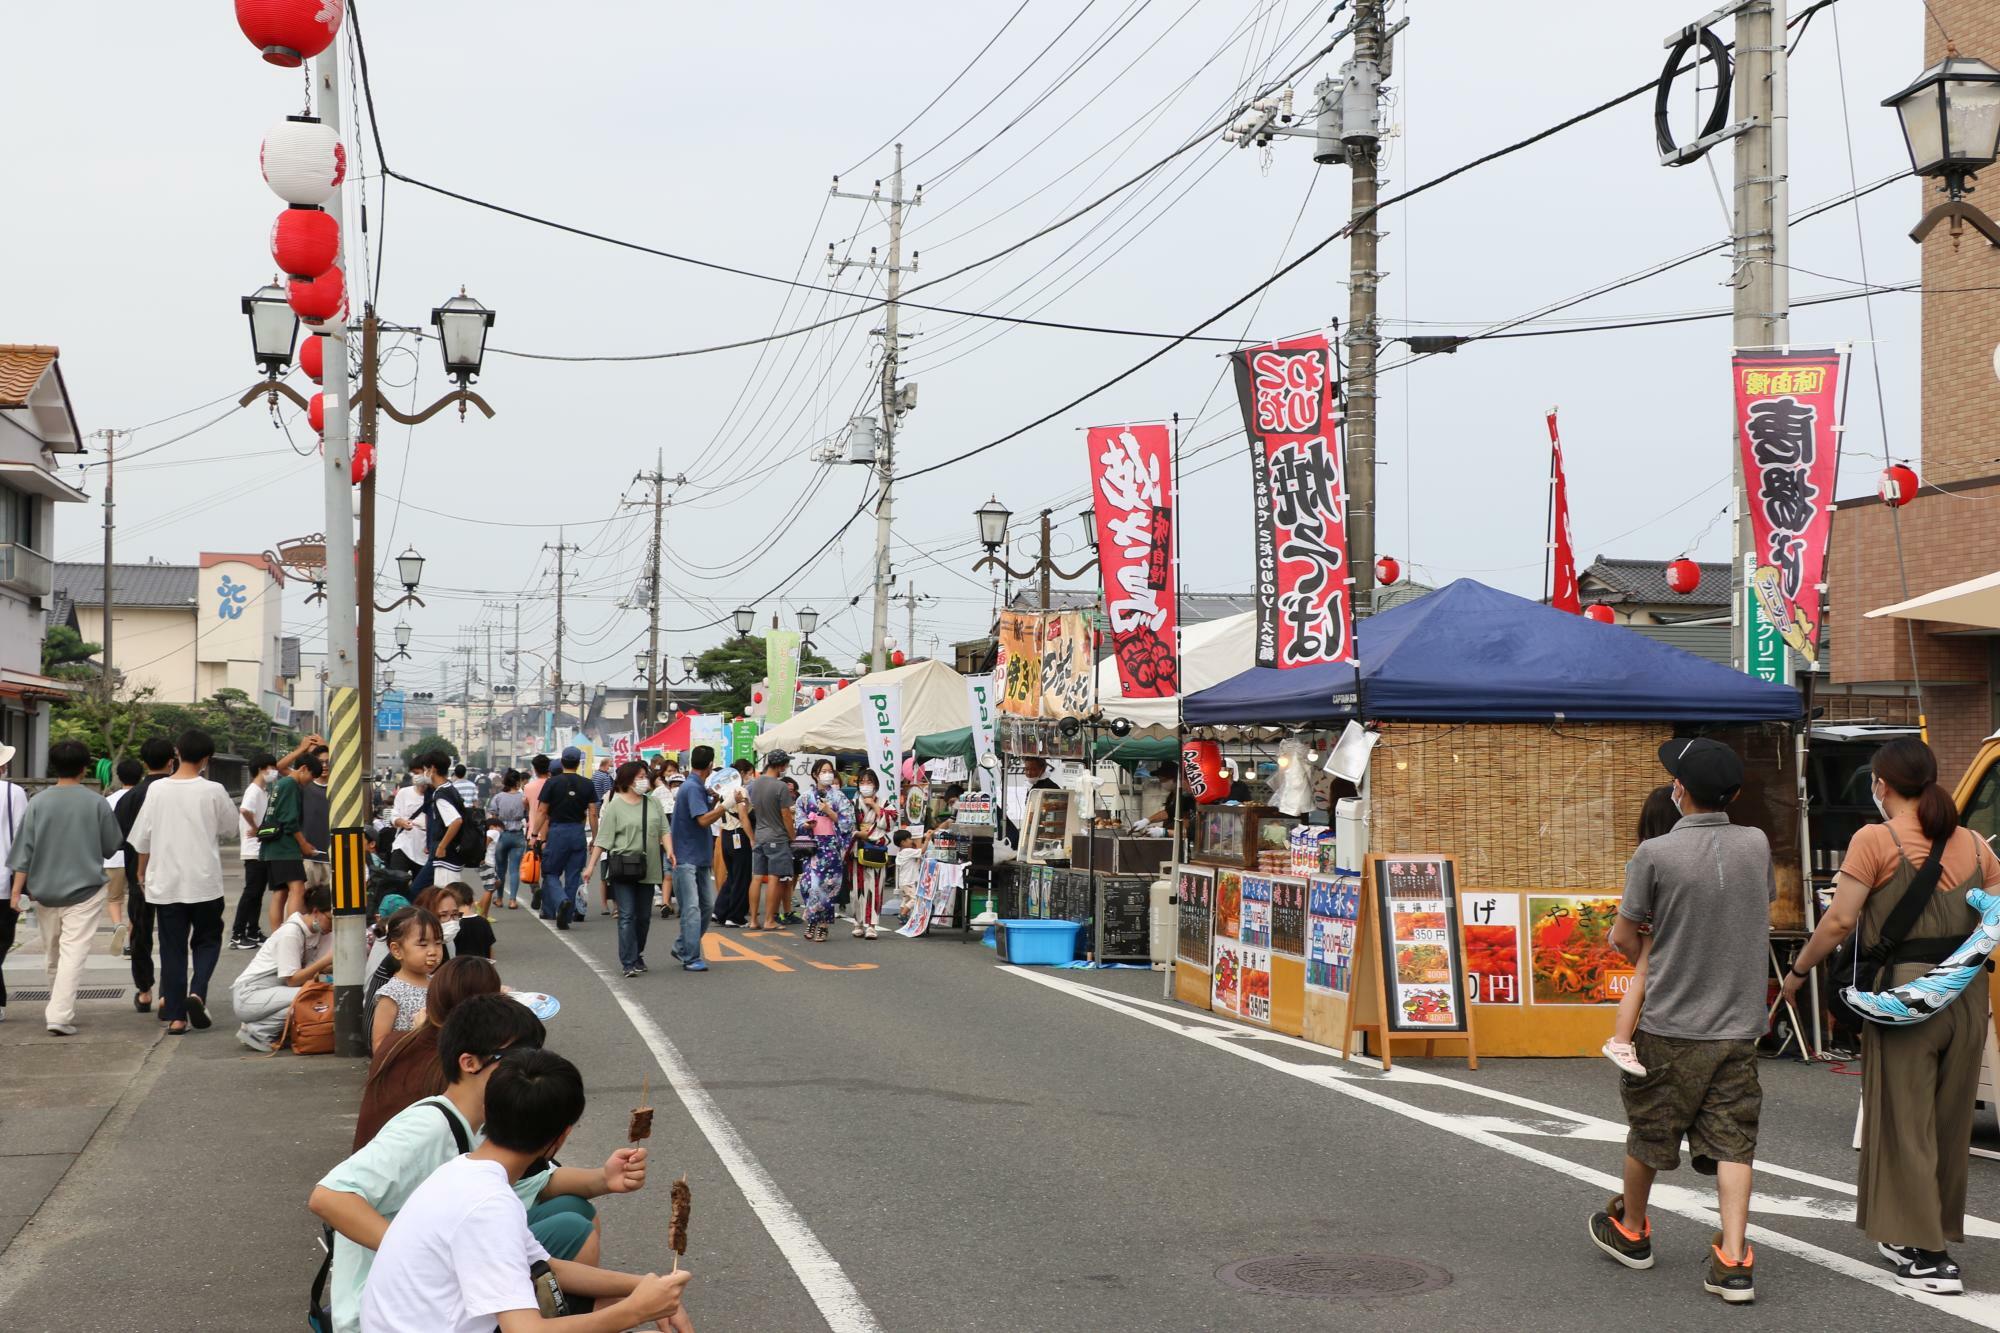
x=348, y=814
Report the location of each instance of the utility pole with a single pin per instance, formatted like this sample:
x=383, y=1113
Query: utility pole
x=346, y=727
x=910, y=634
x=895, y=399
x=364, y=557
x=562, y=549
x=514, y=685
x=489, y=696
x=657, y=479
x=105, y=684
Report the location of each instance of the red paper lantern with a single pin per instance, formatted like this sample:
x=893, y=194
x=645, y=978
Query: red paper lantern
x=362, y=463
x=896, y=658
x=1601, y=613
x=819, y=692
x=843, y=684
x=316, y=413
x=1683, y=575
x=757, y=696
x=1201, y=770
x=1387, y=571
x=290, y=32
x=317, y=300
x=1899, y=486
x=312, y=358
x=305, y=241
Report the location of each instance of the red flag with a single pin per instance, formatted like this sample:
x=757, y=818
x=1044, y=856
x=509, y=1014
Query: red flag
x=1305, y=611
x=1787, y=411
x=1132, y=492
x=1563, y=592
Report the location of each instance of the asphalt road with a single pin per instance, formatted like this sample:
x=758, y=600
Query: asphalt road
x=906, y=1135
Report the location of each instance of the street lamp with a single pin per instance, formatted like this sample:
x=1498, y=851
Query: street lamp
x=410, y=567
x=403, y=635
x=273, y=328
x=808, y=621
x=644, y=663
x=746, y=620
x=461, y=323
x=992, y=518
x=1951, y=126
x=1089, y=516
x=687, y=663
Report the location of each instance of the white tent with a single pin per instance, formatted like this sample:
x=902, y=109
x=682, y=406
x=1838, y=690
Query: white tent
x=933, y=701
x=1211, y=653
x=1973, y=602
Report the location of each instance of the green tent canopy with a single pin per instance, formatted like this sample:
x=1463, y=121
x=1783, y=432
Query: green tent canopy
x=1128, y=751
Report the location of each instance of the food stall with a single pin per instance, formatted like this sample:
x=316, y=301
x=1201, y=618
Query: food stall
x=1515, y=745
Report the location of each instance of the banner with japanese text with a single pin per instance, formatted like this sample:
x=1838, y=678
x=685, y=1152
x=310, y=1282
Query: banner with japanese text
x=980, y=704
x=781, y=674
x=882, y=730
x=1305, y=613
x=1020, y=664
x=1069, y=666
x=1564, y=595
x=1132, y=492
x=1787, y=419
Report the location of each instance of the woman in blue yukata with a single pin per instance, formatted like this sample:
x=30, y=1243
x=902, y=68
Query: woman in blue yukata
x=825, y=812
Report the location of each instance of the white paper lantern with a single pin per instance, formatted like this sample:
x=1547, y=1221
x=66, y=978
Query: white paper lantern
x=303, y=160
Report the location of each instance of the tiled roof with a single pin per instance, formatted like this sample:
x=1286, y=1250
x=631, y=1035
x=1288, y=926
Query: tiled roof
x=1196, y=607
x=21, y=369
x=131, y=585
x=1645, y=582
x=60, y=611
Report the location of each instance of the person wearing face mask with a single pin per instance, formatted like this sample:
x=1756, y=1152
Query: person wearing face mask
x=299, y=951
x=873, y=823
x=696, y=812
x=825, y=813
x=630, y=838
x=732, y=846
x=1918, y=1082
x=244, y=931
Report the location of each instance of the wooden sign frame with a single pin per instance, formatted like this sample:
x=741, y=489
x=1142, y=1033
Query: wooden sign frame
x=1368, y=1009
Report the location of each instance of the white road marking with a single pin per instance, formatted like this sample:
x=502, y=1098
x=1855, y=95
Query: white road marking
x=1982, y=1309
x=821, y=1274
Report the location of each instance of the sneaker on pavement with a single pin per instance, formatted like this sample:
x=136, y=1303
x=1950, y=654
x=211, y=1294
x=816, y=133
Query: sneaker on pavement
x=1735, y=1283
x=1608, y=1233
x=3, y=1013
x=120, y=933
x=1933, y=1271
x=62, y=1029
x=631, y=972
x=696, y=966
x=255, y=1043
x=1624, y=1055
x=241, y=942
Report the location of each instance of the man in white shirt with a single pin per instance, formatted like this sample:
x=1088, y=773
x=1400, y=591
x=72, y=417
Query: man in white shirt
x=179, y=835
x=459, y=1253
x=244, y=932
x=299, y=951
x=13, y=809
x=406, y=813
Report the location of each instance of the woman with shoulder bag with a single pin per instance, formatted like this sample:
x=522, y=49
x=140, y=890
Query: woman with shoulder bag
x=630, y=835
x=873, y=823
x=824, y=815
x=1918, y=1082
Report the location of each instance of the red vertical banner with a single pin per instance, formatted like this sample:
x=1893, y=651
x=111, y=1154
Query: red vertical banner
x=1787, y=419
x=1132, y=494
x=1305, y=612
x=1563, y=592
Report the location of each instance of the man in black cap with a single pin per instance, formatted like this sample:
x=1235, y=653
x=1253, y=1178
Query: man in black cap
x=1707, y=888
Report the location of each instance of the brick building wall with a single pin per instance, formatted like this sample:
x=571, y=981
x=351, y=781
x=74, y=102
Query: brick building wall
x=1952, y=534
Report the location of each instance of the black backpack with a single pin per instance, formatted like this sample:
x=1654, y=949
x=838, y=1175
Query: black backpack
x=468, y=845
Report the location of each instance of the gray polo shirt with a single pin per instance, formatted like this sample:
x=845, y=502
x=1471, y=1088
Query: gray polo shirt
x=1707, y=886
x=62, y=845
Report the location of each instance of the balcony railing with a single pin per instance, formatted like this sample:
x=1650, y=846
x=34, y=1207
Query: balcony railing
x=26, y=571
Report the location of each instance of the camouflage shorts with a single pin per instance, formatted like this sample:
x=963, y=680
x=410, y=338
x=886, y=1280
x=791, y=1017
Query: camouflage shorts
x=1706, y=1090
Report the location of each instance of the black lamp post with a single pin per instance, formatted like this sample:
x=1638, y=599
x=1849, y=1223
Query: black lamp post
x=273, y=328
x=1951, y=126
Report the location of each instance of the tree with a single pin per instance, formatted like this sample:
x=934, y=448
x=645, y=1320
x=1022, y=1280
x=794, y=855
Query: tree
x=425, y=744
x=111, y=731
x=66, y=654
x=732, y=669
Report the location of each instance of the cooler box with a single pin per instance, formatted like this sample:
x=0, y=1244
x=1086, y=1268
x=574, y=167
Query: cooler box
x=1039, y=942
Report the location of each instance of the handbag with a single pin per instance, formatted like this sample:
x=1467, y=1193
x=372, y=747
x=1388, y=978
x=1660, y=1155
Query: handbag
x=632, y=866
x=531, y=867
x=1867, y=968
x=871, y=855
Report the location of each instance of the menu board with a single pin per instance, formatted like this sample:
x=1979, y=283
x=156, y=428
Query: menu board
x=1124, y=917
x=1196, y=891
x=1493, y=947
x=1288, y=917
x=1333, y=910
x=1574, y=962
x=1423, y=966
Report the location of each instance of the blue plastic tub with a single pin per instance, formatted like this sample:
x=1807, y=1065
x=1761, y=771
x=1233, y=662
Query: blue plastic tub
x=1042, y=943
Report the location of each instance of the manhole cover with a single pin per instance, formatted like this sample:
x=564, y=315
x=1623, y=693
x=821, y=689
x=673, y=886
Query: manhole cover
x=1333, y=1276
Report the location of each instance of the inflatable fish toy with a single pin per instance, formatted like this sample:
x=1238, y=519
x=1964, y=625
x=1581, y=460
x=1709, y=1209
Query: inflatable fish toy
x=1917, y=1000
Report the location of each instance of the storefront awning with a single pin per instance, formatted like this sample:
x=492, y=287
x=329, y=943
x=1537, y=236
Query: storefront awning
x=40, y=481
x=1973, y=602
x=27, y=685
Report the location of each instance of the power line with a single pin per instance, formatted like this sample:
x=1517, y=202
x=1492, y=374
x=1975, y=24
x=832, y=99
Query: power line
x=977, y=56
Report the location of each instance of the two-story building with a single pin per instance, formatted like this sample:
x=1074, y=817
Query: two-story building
x=37, y=428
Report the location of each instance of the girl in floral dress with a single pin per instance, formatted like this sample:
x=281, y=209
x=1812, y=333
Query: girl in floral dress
x=873, y=823
x=824, y=812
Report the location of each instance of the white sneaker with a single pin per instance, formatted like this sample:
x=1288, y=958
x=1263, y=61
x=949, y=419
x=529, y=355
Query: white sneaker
x=871, y=933
x=62, y=1029
x=3, y=1013
x=248, y=1038
x=1625, y=1056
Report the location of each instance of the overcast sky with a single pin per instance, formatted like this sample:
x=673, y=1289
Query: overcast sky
x=138, y=220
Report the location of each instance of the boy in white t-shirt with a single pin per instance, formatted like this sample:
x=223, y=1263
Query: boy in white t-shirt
x=459, y=1257
x=909, y=866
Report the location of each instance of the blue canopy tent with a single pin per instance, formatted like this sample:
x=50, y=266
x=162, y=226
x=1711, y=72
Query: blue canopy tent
x=1470, y=653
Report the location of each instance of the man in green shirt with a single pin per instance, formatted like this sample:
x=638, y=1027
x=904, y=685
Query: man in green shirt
x=285, y=849
x=58, y=860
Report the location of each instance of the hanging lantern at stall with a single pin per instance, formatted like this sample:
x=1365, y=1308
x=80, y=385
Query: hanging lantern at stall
x=757, y=697
x=1201, y=770
x=844, y=683
x=362, y=463
x=1899, y=485
x=312, y=358
x=305, y=241
x=290, y=32
x=819, y=692
x=317, y=300
x=303, y=160
x=316, y=414
x=1387, y=570
x=1683, y=575
x=1601, y=613
x=896, y=658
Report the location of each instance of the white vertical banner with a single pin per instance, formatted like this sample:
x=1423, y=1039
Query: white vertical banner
x=882, y=725
x=979, y=701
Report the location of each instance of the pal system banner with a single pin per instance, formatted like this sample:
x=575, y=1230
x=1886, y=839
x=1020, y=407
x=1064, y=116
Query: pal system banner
x=882, y=729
